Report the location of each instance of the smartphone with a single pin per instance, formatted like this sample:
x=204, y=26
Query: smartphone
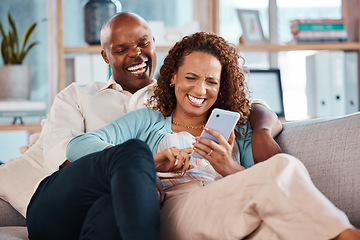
x=222, y=121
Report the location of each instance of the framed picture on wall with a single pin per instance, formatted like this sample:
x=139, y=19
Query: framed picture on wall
x=251, y=26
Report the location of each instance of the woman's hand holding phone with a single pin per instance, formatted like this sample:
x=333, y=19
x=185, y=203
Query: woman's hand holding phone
x=217, y=140
x=219, y=153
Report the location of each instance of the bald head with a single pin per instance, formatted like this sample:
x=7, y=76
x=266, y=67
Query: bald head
x=119, y=20
x=128, y=48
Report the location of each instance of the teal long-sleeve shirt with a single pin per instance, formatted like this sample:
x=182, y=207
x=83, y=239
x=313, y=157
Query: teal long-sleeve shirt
x=147, y=125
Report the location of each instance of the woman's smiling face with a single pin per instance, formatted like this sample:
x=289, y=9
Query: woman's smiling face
x=197, y=84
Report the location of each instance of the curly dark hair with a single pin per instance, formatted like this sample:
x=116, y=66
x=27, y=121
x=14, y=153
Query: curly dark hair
x=233, y=93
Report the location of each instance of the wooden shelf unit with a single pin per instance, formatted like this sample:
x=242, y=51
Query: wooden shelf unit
x=56, y=35
x=21, y=127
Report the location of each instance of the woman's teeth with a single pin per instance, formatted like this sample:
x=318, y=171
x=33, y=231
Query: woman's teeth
x=137, y=69
x=196, y=100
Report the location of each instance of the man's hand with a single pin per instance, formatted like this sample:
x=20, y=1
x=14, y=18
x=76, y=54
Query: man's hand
x=67, y=162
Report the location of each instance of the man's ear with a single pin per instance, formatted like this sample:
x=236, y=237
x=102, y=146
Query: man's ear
x=104, y=56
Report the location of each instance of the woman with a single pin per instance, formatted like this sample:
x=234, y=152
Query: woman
x=216, y=198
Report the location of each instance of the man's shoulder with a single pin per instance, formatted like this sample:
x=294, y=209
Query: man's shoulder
x=88, y=88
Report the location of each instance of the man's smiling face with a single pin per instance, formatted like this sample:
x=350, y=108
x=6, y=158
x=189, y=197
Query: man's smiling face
x=129, y=49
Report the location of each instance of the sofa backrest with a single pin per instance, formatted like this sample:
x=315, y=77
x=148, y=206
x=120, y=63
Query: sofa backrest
x=330, y=150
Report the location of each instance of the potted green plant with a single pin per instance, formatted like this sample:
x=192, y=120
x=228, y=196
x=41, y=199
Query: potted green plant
x=15, y=78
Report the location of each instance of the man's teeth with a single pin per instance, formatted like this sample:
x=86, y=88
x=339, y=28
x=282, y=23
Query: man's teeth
x=137, y=68
x=196, y=100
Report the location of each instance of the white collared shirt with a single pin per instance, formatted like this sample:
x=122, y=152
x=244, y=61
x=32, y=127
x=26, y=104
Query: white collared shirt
x=84, y=108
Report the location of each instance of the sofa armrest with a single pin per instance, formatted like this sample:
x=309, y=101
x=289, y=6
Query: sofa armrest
x=330, y=150
x=9, y=216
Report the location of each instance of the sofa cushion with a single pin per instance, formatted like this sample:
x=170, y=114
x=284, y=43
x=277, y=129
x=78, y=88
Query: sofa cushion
x=13, y=233
x=9, y=216
x=330, y=150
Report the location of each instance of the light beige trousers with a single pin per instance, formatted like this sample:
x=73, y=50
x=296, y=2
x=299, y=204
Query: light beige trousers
x=275, y=199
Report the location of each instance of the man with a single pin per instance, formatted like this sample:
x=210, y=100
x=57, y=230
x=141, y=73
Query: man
x=128, y=48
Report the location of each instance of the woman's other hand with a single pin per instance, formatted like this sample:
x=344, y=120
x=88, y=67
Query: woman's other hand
x=173, y=160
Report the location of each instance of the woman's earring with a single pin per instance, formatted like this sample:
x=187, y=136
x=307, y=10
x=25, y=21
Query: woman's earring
x=172, y=85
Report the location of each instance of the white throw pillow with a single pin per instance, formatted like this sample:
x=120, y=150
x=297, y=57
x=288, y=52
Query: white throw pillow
x=20, y=177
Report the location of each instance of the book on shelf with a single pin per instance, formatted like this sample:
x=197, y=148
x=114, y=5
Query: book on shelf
x=321, y=30
x=298, y=22
x=321, y=34
x=319, y=40
x=341, y=35
x=317, y=25
x=324, y=20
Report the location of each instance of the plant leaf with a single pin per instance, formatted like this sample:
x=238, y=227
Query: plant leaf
x=14, y=32
x=4, y=51
x=2, y=30
x=24, y=53
x=5, y=46
x=12, y=46
x=29, y=31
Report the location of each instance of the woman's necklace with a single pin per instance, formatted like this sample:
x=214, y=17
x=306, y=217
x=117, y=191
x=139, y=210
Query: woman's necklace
x=189, y=127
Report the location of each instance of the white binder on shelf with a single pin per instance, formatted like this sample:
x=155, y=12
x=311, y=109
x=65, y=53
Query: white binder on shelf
x=82, y=69
x=69, y=71
x=332, y=85
x=351, y=82
x=318, y=84
x=99, y=68
x=337, y=80
x=85, y=68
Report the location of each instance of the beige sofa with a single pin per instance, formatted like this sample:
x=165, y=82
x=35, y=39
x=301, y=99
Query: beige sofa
x=330, y=149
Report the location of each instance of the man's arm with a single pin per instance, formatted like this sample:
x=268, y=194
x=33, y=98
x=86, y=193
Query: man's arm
x=265, y=126
x=63, y=123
